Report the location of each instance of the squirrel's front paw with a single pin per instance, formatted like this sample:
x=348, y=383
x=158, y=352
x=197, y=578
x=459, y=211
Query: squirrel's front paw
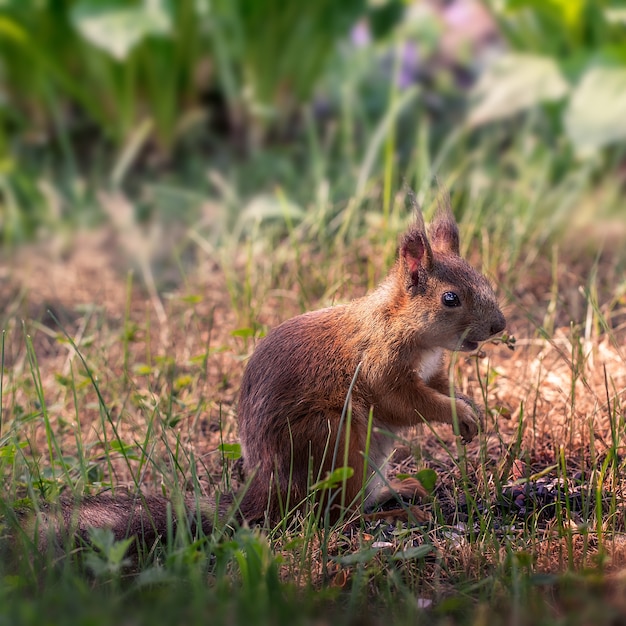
x=470, y=416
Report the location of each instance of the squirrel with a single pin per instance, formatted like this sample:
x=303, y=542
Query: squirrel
x=384, y=352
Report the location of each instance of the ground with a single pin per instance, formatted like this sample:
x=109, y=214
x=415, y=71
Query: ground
x=555, y=402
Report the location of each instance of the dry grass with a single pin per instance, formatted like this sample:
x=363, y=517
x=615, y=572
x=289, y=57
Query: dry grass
x=170, y=387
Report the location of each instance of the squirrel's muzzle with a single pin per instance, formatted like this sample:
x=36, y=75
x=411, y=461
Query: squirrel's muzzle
x=498, y=325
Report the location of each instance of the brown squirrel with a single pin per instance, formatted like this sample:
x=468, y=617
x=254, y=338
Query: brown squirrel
x=384, y=351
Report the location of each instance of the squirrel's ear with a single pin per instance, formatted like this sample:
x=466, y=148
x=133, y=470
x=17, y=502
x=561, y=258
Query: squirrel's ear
x=415, y=252
x=444, y=232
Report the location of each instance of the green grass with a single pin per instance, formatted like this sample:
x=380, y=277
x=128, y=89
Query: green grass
x=132, y=382
x=125, y=397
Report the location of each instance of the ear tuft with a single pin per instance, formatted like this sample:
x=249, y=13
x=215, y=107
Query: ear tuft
x=444, y=232
x=415, y=252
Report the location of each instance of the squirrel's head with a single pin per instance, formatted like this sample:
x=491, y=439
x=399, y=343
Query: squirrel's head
x=452, y=305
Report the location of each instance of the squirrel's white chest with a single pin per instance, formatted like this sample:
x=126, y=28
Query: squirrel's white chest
x=429, y=364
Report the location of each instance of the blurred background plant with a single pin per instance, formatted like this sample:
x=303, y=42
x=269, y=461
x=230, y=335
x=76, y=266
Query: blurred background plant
x=569, y=53
x=229, y=113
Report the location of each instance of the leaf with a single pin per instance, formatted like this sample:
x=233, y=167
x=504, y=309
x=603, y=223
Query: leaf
x=401, y=476
x=514, y=83
x=333, y=479
x=362, y=556
x=111, y=553
x=230, y=450
x=428, y=479
x=8, y=451
x=418, y=552
x=117, y=26
x=596, y=115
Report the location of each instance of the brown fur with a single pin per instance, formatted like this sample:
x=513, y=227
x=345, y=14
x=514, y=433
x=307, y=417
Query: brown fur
x=388, y=344
x=296, y=382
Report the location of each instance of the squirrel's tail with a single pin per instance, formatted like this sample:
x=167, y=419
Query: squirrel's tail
x=149, y=518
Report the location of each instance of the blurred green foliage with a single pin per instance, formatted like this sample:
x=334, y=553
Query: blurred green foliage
x=568, y=52
x=277, y=107
x=115, y=63
x=88, y=85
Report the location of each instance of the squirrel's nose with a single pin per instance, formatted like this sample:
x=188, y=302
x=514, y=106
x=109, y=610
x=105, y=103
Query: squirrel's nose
x=498, y=325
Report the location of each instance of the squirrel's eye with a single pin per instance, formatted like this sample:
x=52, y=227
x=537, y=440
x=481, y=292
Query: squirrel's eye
x=449, y=298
